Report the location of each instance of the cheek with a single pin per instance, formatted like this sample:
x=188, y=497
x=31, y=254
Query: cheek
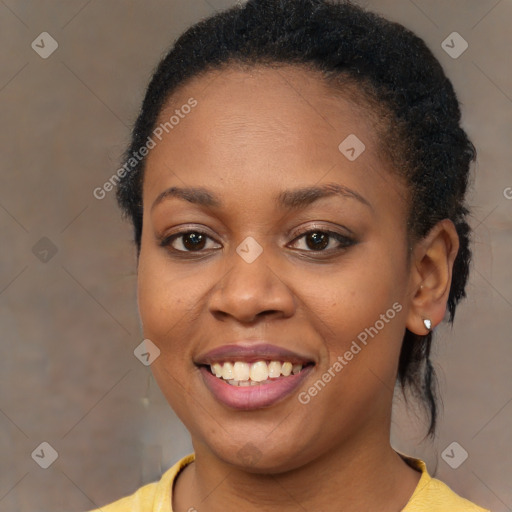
x=361, y=319
x=154, y=298
x=161, y=291
x=353, y=297
x=165, y=309
x=165, y=305
x=362, y=303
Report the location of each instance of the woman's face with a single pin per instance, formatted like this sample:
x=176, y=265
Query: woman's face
x=265, y=273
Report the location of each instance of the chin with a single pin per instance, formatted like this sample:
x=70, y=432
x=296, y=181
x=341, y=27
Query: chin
x=261, y=457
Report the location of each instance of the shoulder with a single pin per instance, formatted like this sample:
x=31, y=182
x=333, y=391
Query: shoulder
x=153, y=497
x=140, y=501
x=432, y=495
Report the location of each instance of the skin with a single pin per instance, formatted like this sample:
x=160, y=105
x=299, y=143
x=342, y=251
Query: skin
x=253, y=134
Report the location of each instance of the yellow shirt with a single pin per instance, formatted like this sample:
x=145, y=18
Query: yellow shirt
x=430, y=495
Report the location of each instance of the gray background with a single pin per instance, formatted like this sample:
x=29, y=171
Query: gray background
x=69, y=325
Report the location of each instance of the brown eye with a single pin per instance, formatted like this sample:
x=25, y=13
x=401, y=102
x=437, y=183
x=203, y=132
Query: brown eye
x=186, y=241
x=318, y=240
x=193, y=241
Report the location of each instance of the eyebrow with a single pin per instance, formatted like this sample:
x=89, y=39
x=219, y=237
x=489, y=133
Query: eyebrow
x=290, y=199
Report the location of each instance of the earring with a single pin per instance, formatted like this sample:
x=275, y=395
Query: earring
x=428, y=324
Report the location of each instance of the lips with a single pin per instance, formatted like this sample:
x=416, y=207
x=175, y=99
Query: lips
x=246, y=393
x=250, y=353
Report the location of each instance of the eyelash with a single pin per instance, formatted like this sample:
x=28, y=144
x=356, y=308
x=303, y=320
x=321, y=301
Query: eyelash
x=343, y=240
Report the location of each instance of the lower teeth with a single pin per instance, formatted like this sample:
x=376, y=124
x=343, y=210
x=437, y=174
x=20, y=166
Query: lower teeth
x=246, y=383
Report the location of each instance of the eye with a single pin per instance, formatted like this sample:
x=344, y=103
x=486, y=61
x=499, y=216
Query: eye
x=191, y=241
x=317, y=240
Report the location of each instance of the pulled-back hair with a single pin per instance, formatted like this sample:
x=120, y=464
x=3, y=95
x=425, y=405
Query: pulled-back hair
x=395, y=73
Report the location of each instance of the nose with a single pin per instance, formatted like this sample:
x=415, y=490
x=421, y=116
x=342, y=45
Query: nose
x=248, y=291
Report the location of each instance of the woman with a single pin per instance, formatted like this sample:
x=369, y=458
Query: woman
x=296, y=181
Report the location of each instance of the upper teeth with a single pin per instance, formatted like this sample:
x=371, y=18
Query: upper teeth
x=259, y=371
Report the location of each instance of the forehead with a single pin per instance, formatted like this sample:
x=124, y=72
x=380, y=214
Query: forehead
x=277, y=95
x=252, y=121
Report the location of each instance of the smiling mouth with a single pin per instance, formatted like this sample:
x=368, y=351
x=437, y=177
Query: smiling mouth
x=241, y=373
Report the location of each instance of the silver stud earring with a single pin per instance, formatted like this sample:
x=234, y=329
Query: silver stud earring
x=427, y=323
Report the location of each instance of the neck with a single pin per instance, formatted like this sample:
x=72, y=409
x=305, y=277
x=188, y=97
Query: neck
x=354, y=476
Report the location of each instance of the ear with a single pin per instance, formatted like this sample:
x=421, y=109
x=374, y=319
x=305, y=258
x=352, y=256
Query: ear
x=431, y=276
